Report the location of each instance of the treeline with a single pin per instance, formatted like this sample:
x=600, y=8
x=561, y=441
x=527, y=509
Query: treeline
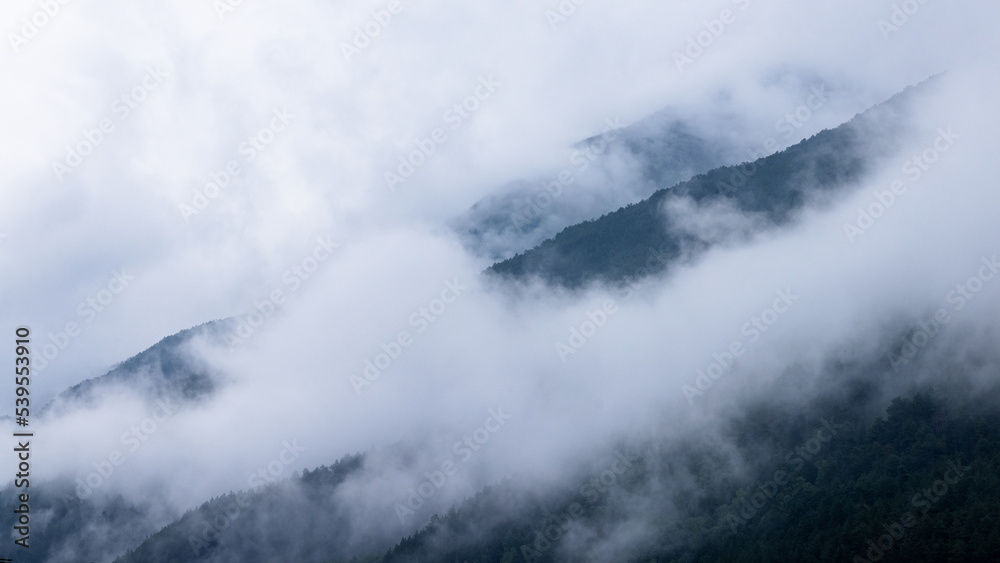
x=920, y=483
x=770, y=190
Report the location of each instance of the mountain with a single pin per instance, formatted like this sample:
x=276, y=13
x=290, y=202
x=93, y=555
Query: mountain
x=294, y=520
x=827, y=479
x=914, y=484
x=77, y=522
x=659, y=150
x=664, y=230
x=169, y=369
x=818, y=481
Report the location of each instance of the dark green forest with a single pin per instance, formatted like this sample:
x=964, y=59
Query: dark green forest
x=891, y=483
x=639, y=239
x=831, y=480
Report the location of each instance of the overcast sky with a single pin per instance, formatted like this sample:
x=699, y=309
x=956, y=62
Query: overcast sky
x=308, y=114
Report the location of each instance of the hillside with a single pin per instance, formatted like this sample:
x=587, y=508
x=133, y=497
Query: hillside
x=641, y=238
x=922, y=472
